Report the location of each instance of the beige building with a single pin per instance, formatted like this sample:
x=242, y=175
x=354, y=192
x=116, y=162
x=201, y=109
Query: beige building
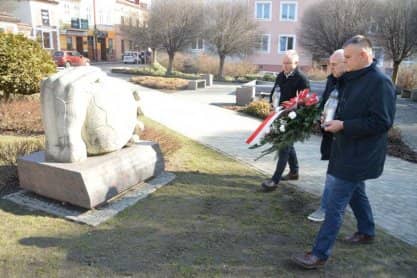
x=74, y=25
x=280, y=21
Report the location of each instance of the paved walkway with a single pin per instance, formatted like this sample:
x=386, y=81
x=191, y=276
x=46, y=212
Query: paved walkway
x=393, y=196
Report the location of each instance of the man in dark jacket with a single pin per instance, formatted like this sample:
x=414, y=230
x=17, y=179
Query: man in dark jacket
x=290, y=81
x=337, y=69
x=365, y=113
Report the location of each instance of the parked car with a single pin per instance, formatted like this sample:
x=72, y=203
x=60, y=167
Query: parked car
x=131, y=57
x=69, y=58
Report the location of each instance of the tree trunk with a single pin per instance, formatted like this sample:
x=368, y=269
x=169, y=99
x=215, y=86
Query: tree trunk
x=395, y=69
x=221, y=67
x=154, y=55
x=170, y=63
x=6, y=96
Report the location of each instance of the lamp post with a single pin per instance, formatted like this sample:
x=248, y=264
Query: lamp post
x=95, y=52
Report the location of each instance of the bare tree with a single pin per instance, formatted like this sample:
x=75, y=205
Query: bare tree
x=397, y=30
x=174, y=25
x=230, y=30
x=143, y=37
x=326, y=25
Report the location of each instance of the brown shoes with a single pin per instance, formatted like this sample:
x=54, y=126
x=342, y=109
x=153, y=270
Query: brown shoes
x=358, y=238
x=290, y=176
x=308, y=261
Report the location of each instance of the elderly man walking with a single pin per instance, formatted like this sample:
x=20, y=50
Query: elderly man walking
x=337, y=69
x=290, y=81
x=364, y=115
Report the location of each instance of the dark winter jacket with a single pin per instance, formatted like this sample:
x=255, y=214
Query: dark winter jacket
x=367, y=109
x=327, y=137
x=297, y=81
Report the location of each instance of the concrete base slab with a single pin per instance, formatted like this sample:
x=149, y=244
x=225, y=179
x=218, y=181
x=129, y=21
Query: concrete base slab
x=92, y=217
x=93, y=181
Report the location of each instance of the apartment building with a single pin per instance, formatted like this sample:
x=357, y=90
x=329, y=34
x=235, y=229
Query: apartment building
x=128, y=14
x=74, y=25
x=92, y=27
x=280, y=21
x=43, y=17
x=11, y=24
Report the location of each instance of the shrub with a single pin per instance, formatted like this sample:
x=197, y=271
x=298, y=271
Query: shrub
x=269, y=77
x=259, y=109
x=407, y=77
x=10, y=151
x=155, y=69
x=23, y=64
x=161, y=82
x=317, y=74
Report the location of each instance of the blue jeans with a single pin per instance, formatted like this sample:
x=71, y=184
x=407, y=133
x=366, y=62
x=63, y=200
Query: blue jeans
x=325, y=195
x=285, y=155
x=340, y=194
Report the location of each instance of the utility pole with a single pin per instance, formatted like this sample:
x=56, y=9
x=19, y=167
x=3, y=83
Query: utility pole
x=95, y=52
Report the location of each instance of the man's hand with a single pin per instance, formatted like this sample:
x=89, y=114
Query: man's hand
x=333, y=126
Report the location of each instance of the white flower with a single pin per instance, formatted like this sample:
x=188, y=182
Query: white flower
x=292, y=115
x=282, y=128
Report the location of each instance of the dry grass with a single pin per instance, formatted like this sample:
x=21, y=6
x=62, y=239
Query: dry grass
x=9, y=151
x=407, y=77
x=317, y=74
x=164, y=83
x=21, y=117
x=208, y=64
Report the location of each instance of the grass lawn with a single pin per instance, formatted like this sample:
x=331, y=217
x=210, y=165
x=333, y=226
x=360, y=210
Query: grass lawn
x=209, y=222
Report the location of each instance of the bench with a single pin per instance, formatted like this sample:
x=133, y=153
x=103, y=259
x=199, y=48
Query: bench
x=195, y=84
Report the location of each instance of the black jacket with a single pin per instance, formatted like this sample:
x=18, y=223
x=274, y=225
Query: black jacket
x=327, y=139
x=289, y=86
x=367, y=109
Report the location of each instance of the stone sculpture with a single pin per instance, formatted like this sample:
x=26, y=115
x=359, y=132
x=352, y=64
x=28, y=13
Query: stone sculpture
x=87, y=112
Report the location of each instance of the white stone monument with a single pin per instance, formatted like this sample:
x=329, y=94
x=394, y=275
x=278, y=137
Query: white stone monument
x=86, y=113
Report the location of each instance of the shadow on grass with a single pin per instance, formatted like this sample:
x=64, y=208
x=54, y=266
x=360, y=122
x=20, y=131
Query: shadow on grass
x=219, y=225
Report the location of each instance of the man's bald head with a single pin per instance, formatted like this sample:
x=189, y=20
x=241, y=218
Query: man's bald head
x=337, y=63
x=290, y=61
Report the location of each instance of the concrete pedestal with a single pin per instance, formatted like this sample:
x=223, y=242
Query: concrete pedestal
x=93, y=181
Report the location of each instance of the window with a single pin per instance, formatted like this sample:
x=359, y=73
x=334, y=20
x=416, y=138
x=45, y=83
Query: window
x=69, y=43
x=263, y=10
x=288, y=11
x=264, y=43
x=45, y=17
x=378, y=53
x=286, y=42
x=197, y=45
x=122, y=20
x=46, y=36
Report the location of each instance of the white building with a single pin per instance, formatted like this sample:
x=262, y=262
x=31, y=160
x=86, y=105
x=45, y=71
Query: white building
x=43, y=17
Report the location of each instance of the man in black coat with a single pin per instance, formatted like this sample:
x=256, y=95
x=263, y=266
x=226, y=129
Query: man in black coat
x=365, y=114
x=337, y=69
x=290, y=81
